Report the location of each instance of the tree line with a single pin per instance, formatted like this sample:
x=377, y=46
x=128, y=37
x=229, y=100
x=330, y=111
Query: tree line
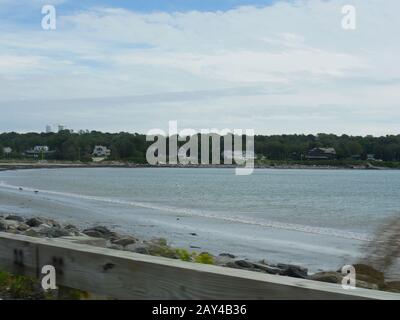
x=133, y=146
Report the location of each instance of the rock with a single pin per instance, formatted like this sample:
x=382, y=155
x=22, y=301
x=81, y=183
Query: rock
x=32, y=233
x=368, y=274
x=329, y=276
x=93, y=233
x=15, y=218
x=34, y=222
x=193, y=234
x=115, y=247
x=99, y=232
x=37, y=221
x=223, y=260
x=56, y=232
x=22, y=227
x=366, y=285
x=233, y=265
x=393, y=286
x=293, y=270
x=266, y=268
x=142, y=250
x=44, y=230
x=7, y=225
x=3, y=226
x=244, y=264
x=227, y=255
x=71, y=227
x=158, y=241
x=124, y=241
x=96, y=242
x=137, y=248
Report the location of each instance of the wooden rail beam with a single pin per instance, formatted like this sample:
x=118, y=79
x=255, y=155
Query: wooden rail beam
x=126, y=275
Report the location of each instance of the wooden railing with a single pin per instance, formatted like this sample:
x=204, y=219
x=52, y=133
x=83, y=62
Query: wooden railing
x=126, y=275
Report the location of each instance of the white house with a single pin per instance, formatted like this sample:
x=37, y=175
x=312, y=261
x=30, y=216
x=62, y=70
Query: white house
x=7, y=150
x=238, y=155
x=40, y=149
x=101, y=151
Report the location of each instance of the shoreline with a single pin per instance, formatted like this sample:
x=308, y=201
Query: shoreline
x=9, y=166
x=101, y=236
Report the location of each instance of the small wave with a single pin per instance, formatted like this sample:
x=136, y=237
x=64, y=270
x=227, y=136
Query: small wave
x=197, y=213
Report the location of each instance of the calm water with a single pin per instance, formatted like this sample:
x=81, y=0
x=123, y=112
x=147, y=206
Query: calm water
x=319, y=218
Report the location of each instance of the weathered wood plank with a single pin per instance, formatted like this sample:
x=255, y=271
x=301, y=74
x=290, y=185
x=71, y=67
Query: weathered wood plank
x=126, y=275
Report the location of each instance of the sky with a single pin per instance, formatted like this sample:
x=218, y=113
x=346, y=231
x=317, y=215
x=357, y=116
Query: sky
x=275, y=66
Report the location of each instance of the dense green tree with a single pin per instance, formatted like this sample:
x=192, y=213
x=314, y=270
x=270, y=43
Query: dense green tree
x=132, y=147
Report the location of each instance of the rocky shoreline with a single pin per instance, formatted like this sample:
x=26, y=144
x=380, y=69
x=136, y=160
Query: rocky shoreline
x=5, y=166
x=100, y=236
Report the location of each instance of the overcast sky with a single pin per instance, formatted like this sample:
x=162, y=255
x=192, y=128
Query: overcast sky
x=272, y=66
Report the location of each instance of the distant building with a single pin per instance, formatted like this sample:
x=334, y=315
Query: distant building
x=101, y=151
x=240, y=155
x=48, y=129
x=371, y=157
x=321, y=154
x=7, y=151
x=39, y=152
x=61, y=127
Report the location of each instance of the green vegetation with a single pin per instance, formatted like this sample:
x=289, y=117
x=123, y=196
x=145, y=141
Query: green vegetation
x=132, y=147
x=17, y=287
x=160, y=248
x=205, y=258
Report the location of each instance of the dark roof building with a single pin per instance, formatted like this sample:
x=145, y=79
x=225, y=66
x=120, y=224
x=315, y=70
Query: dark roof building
x=321, y=154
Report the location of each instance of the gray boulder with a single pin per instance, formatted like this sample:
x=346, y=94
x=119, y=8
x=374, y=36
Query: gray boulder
x=34, y=222
x=137, y=248
x=22, y=227
x=243, y=264
x=125, y=241
x=228, y=255
x=8, y=225
x=266, y=268
x=99, y=232
x=293, y=270
x=15, y=218
x=328, y=276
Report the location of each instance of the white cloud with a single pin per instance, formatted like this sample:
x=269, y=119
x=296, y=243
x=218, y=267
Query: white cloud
x=297, y=53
